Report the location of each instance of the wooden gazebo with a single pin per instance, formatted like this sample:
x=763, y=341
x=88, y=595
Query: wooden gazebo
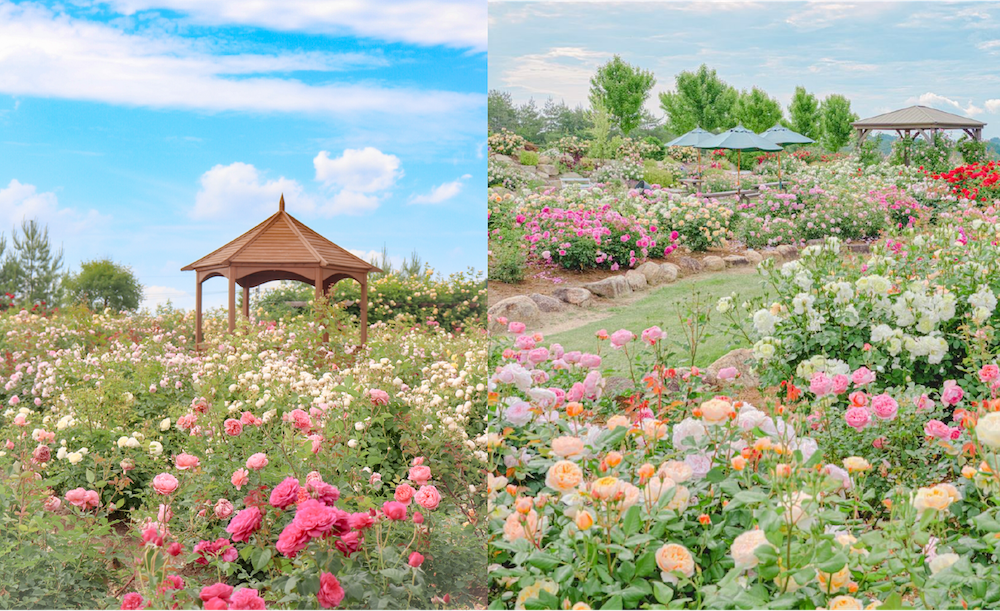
x=280, y=248
x=918, y=120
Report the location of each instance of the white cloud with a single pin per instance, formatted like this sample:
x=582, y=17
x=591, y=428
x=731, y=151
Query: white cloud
x=992, y=46
x=350, y=203
x=239, y=189
x=563, y=69
x=20, y=201
x=49, y=54
x=153, y=296
x=362, y=170
x=933, y=99
x=442, y=192
x=375, y=257
x=826, y=64
x=993, y=106
x=455, y=23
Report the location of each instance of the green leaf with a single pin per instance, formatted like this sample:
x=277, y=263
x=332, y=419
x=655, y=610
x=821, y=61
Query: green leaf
x=662, y=593
x=261, y=559
x=631, y=521
x=563, y=574
x=615, y=602
x=715, y=475
x=90, y=476
x=834, y=564
x=646, y=564
x=290, y=584
x=544, y=561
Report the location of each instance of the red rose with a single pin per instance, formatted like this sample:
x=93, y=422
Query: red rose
x=330, y=594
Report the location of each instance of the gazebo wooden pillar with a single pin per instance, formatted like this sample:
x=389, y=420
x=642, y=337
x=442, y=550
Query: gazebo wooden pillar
x=280, y=248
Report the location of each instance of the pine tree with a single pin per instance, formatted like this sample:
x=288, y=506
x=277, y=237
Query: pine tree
x=38, y=272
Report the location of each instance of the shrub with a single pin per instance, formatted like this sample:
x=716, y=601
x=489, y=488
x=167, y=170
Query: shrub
x=628, y=169
x=654, y=175
x=505, y=174
x=700, y=223
x=504, y=142
x=529, y=158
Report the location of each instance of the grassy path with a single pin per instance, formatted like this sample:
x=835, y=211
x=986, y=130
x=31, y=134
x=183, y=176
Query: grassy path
x=661, y=307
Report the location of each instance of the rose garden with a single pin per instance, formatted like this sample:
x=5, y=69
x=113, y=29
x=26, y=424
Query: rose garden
x=843, y=452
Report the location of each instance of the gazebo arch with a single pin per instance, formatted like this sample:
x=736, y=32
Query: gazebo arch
x=280, y=248
x=920, y=121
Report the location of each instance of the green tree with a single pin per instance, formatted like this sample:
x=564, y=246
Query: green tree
x=836, y=121
x=102, y=283
x=561, y=120
x=37, y=274
x=757, y=111
x=621, y=89
x=529, y=121
x=600, y=146
x=804, y=114
x=500, y=111
x=701, y=99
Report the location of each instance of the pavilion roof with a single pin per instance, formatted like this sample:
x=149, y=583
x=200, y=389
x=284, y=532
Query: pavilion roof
x=918, y=117
x=282, y=238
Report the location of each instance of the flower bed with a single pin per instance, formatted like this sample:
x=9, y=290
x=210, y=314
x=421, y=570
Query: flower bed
x=261, y=471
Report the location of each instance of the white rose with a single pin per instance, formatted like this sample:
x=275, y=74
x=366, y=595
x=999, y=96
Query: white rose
x=744, y=546
x=988, y=430
x=74, y=457
x=942, y=561
x=165, y=424
x=353, y=443
x=155, y=448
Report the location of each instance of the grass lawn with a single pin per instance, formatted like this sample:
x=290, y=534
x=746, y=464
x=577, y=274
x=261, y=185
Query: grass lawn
x=661, y=307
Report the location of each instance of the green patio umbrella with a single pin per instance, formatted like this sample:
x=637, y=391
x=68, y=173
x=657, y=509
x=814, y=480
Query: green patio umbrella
x=739, y=139
x=779, y=134
x=693, y=138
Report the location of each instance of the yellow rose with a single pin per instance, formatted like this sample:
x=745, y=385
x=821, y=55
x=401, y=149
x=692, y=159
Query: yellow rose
x=831, y=582
x=534, y=590
x=564, y=476
x=673, y=557
x=567, y=446
x=584, y=519
x=617, y=421
x=845, y=602
x=856, y=464
x=936, y=498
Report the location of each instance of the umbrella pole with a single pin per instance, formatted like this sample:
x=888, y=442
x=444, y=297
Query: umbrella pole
x=739, y=165
x=780, y=186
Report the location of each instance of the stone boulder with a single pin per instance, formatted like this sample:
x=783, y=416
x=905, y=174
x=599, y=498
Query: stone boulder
x=573, y=295
x=742, y=359
x=736, y=261
x=690, y=265
x=636, y=280
x=714, y=263
x=669, y=272
x=503, y=158
x=518, y=308
x=611, y=287
x=548, y=170
x=787, y=252
x=753, y=257
x=546, y=303
x=652, y=272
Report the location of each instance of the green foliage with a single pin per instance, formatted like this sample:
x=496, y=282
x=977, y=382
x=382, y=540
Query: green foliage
x=869, y=152
x=32, y=271
x=500, y=111
x=507, y=257
x=933, y=155
x=757, y=111
x=102, y=283
x=804, y=114
x=528, y=157
x=701, y=99
x=836, y=119
x=622, y=89
x=972, y=151
x=600, y=146
x=654, y=175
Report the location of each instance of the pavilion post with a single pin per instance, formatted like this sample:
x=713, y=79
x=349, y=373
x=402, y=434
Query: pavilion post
x=364, y=310
x=246, y=302
x=232, y=299
x=197, y=316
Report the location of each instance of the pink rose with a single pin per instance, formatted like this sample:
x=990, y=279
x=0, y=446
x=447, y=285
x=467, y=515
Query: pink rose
x=885, y=407
x=516, y=327
x=952, y=393
x=728, y=373
x=216, y=590
x=820, y=384
x=285, y=494
x=938, y=429
x=361, y=521
x=419, y=474
x=858, y=399
x=621, y=337
x=989, y=373
x=653, y=335
x=257, y=461
x=349, y=543
x=418, y=518
x=216, y=604
x=415, y=560
x=923, y=403
x=394, y=510
x=318, y=520
x=428, y=497
x=240, y=478
x=247, y=598
x=41, y=454
x=840, y=383
x=77, y=497
x=862, y=376
x=378, y=396
x=233, y=427
x=857, y=417
x=538, y=355
x=292, y=540
x=53, y=503
x=186, y=461
x=165, y=483
x=404, y=492
x=223, y=509
x=133, y=601
x=879, y=443
x=323, y=492
x=330, y=594
x=245, y=523
x=590, y=361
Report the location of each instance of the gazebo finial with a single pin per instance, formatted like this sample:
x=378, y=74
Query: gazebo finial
x=281, y=203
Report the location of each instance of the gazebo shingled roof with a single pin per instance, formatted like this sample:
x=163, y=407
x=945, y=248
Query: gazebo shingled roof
x=280, y=248
x=921, y=120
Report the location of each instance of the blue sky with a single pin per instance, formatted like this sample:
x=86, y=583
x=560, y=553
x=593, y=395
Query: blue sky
x=882, y=56
x=154, y=131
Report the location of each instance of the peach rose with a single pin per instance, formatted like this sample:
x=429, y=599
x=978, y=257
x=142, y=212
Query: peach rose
x=838, y=603
x=744, y=546
x=831, y=582
x=567, y=446
x=419, y=474
x=605, y=488
x=186, y=461
x=716, y=411
x=563, y=476
x=164, y=483
x=240, y=478
x=674, y=557
x=257, y=461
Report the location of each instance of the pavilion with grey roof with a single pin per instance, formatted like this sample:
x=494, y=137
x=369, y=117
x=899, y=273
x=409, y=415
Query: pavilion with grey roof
x=918, y=121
